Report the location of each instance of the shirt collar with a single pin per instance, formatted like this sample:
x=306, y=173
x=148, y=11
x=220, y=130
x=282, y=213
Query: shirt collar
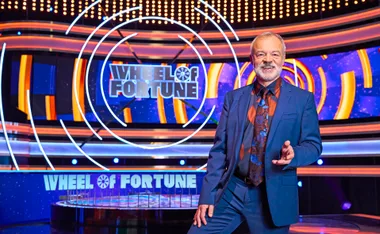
x=273, y=87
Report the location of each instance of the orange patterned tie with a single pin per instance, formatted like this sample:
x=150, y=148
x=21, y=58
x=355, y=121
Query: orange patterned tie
x=256, y=162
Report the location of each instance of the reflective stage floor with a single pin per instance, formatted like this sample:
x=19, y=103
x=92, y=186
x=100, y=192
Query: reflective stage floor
x=316, y=224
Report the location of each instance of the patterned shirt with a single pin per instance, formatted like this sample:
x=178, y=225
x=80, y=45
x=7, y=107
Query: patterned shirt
x=245, y=149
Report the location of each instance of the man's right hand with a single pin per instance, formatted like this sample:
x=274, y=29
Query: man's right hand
x=200, y=215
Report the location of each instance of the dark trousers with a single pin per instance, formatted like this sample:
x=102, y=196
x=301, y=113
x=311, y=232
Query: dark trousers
x=238, y=203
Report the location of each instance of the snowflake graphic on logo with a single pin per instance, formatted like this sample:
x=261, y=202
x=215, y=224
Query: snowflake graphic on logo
x=103, y=181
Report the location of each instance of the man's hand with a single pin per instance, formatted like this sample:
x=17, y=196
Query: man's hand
x=287, y=154
x=201, y=214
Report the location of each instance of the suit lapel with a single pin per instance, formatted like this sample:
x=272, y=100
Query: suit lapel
x=282, y=104
x=243, y=105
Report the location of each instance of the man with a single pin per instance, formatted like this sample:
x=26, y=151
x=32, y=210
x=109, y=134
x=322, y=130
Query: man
x=267, y=130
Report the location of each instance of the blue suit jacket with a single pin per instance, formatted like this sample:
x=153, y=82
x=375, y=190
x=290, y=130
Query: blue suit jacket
x=295, y=119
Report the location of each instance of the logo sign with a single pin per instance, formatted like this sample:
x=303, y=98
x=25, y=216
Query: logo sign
x=137, y=80
x=58, y=182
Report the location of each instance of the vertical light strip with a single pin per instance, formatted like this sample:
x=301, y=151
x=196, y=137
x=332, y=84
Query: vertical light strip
x=35, y=132
x=239, y=11
x=347, y=97
x=2, y=111
x=121, y=7
x=72, y=8
x=246, y=10
x=316, y=6
x=79, y=149
x=161, y=104
x=24, y=81
x=198, y=15
x=128, y=13
x=80, y=86
x=141, y=11
x=172, y=7
x=366, y=67
x=287, y=8
x=127, y=115
x=166, y=14
x=232, y=10
x=161, y=107
x=295, y=73
x=242, y=70
x=114, y=8
x=323, y=89
x=274, y=9
x=50, y=109
x=159, y=3
x=213, y=76
x=179, y=106
x=192, y=18
x=225, y=10
x=153, y=10
x=281, y=9
x=187, y=11
x=180, y=11
x=206, y=11
x=133, y=12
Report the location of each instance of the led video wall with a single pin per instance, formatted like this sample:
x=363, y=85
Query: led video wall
x=346, y=85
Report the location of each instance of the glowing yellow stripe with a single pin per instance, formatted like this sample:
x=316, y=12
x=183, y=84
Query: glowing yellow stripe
x=251, y=78
x=306, y=72
x=324, y=56
x=347, y=97
x=180, y=111
x=323, y=89
x=213, y=76
x=301, y=83
x=161, y=104
x=24, y=82
x=291, y=81
x=242, y=70
x=80, y=86
x=127, y=115
x=51, y=113
x=366, y=67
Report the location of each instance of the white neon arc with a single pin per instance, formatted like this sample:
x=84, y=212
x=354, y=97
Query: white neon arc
x=227, y=40
x=77, y=65
x=223, y=19
x=35, y=131
x=92, y=108
x=80, y=15
x=2, y=111
x=206, y=80
x=200, y=168
x=79, y=149
x=99, y=43
x=295, y=72
x=101, y=78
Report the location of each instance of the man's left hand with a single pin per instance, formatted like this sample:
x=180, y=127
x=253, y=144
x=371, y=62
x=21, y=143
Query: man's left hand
x=287, y=154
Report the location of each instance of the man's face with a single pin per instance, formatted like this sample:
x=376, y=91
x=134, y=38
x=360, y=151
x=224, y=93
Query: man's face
x=267, y=58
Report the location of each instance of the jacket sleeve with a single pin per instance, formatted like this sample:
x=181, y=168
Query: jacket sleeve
x=309, y=147
x=216, y=162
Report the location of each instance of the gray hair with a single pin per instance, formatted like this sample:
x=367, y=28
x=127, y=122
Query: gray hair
x=268, y=34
